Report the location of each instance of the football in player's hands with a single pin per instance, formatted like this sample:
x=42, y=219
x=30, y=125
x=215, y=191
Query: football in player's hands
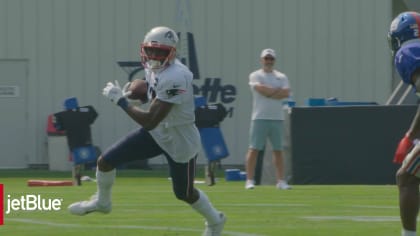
x=138, y=89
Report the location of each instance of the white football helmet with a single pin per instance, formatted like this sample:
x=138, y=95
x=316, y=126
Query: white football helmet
x=158, y=48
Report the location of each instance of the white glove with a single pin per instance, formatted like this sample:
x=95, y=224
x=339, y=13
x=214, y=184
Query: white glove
x=125, y=88
x=135, y=102
x=114, y=92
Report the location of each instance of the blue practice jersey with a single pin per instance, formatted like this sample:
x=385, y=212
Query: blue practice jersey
x=407, y=60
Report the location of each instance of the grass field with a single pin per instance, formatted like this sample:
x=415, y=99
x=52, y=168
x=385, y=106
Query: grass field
x=143, y=204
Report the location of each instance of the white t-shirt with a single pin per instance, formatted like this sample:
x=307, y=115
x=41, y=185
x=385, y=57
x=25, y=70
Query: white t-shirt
x=264, y=107
x=176, y=133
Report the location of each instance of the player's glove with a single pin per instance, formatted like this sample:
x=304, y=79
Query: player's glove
x=114, y=93
x=135, y=102
x=403, y=148
x=125, y=88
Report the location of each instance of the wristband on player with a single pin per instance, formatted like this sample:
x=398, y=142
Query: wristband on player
x=123, y=103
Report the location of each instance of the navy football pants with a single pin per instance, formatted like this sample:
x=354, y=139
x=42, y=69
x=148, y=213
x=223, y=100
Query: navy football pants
x=139, y=145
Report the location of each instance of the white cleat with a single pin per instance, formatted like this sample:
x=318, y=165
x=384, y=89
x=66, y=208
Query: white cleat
x=249, y=184
x=86, y=207
x=283, y=185
x=215, y=229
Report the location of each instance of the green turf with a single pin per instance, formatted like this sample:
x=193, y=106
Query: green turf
x=143, y=204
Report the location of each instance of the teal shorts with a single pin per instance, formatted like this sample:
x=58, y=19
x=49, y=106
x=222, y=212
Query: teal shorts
x=261, y=130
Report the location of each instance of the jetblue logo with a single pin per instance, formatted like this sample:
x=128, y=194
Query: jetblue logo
x=28, y=202
x=32, y=202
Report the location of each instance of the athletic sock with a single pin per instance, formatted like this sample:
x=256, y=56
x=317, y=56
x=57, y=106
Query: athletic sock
x=206, y=209
x=104, y=181
x=408, y=233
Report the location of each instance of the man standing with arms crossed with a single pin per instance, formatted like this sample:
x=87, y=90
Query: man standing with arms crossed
x=269, y=88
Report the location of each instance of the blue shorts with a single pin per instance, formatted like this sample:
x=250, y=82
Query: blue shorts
x=261, y=130
x=139, y=145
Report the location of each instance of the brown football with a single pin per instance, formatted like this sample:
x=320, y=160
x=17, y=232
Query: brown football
x=138, y=88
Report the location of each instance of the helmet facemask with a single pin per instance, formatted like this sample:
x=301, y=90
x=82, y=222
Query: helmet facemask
x=394, y=44
x=158, y=49
x=155, y=56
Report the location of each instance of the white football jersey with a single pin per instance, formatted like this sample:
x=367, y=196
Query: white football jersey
x=264, y=107
x=176, y=134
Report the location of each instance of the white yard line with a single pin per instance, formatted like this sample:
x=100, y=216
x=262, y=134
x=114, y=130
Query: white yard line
x=376, y=207
x=151, y=228
x=354, y=218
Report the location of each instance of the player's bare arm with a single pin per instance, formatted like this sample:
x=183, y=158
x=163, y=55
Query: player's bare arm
x=158, y=110
x=149, y=119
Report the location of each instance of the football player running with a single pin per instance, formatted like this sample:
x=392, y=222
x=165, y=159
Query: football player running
x=167, y=128
x=404, y=41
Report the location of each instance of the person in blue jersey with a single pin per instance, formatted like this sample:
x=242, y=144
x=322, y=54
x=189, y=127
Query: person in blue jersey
x=168, y=128
x=404, y=39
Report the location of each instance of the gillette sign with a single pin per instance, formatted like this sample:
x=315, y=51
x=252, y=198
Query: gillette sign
x=214, y=90
x=27, y=202
x=211, y=88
